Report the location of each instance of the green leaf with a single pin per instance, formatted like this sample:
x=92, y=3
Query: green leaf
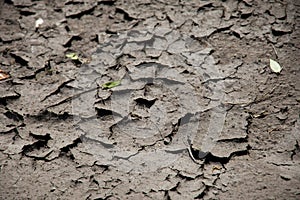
x=275, y=67
x=72, y=56
x=110, y=84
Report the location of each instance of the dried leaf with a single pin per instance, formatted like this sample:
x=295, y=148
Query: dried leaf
x=3, y=75
x=215, y=167
x=39, y=22
x=110, y=84
x=72, y=56
x=275, y=67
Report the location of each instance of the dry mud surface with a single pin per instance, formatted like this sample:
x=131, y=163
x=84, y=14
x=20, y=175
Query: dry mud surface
x=199, y=114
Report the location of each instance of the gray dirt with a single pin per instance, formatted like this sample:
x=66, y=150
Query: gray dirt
x=199, y=114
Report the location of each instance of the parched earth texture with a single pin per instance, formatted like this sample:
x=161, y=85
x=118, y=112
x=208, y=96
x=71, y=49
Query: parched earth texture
x=198, y=114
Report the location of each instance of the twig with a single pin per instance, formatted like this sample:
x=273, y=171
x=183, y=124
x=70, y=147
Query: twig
x=275, y=50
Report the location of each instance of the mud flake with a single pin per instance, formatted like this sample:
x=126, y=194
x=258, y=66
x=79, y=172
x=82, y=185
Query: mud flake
x=23, y=3
x=190, y=188
x=222, y=139
x=16, y=147
x=8, y=120
x=225, y=150
x=130, y=11
x=186, y=168
x=8, y=36
x=176, y=18
x=21, y=57
x=118, y=105
x=83, y=158
x=8, y=93
x=240, y=31
x=235, y=126
x=77, y=10
x=144, y=71
x=281, y=29
x=285, y=177
x=177, y=47
x=6, y=140
x=246, y=12
x=200, y=32
x=132, y=46
x=145, y=102
x=140, y=128
x=278, y=10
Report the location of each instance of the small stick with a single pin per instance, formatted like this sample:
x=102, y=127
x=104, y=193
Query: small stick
x=275, y=50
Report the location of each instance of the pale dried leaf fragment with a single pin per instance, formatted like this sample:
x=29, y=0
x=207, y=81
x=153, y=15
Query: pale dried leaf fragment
x=275, y=67
x=3, y=75
x=39, y=22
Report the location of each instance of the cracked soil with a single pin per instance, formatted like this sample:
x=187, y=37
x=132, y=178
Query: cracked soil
x=199, y=114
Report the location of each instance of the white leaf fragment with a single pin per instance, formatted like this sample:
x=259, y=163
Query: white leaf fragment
x=39, y=22
x=275, y=67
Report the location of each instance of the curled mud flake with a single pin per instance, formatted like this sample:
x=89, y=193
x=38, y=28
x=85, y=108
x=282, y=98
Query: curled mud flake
x=21, y=58
x=145, y=102
x=78, y=10
x=281, y=29
x=38, y=150
x=106, y=112
x=246, y=12
x=9, y=120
